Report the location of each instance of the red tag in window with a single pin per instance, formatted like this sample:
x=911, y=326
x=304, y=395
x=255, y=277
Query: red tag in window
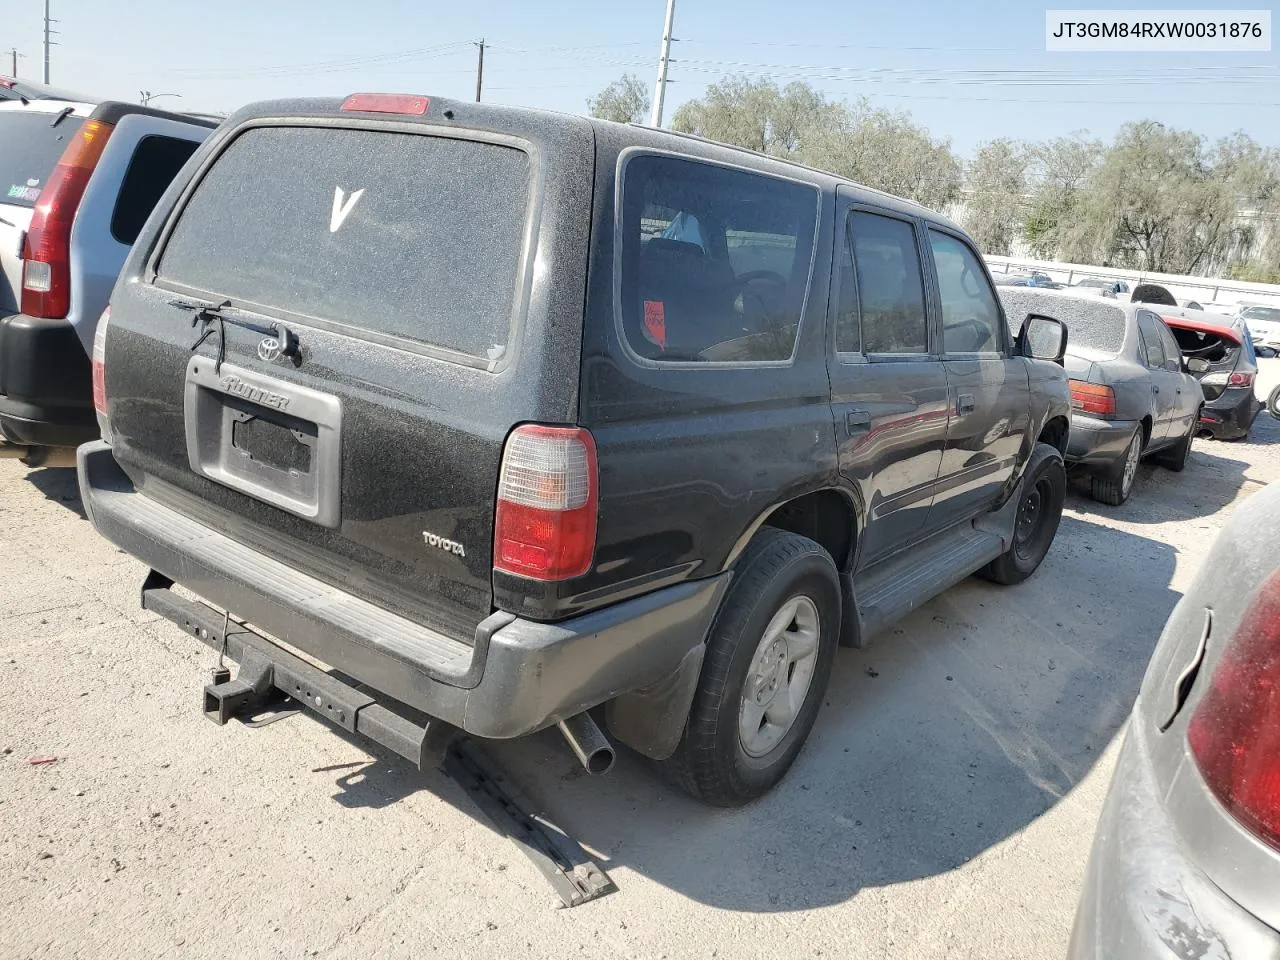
x=655, y=322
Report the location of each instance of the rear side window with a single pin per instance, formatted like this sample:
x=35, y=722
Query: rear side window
x=156, y=161
x=970, y=317
x=403, y=235
x=715, y=261
x=29, y=149
x=890, y=285
x=1153, y=349
x=1172, y=353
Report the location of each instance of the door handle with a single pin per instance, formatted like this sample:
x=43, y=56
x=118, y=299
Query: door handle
x=855, y=420
x=965, y=404
x=1154, y=388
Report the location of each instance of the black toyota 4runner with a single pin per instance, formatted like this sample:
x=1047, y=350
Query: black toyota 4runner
x=477, y=418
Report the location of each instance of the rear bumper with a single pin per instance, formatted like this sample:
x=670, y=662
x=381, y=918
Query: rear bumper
x=1231, y=414
x=46, y=389
x=1142, y=898
x=1098, y=442
x=517, y=676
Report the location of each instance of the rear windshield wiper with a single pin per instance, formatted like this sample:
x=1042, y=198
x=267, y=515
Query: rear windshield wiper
x=211, y=319
x=61, y=115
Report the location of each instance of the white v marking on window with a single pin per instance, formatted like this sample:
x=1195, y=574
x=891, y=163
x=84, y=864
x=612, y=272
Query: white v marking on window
x=342, y=207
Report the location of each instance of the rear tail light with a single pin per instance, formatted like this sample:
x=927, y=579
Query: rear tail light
x=1234, y=733
x=545, y=527
x=386, y=103
x=1227, y=380
x=46, y=272
x=99, y=364
x=1092, y=398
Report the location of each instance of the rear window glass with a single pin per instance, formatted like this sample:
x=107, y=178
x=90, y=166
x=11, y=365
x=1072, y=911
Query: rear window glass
x=156, y=161
x=29, y=150
x=715, y=262
x=1096, y=325
x=406, y=235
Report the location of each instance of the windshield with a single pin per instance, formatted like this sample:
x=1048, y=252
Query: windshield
x=29, y=148
x=1271, y=314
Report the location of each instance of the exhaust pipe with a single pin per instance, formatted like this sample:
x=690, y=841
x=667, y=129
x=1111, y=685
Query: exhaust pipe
x=588, y=744
x=39, y=456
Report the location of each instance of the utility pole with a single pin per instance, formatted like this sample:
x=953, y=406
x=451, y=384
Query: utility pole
x=48, y=41
x=14, y=54
x=480, y=69
x=655, y=119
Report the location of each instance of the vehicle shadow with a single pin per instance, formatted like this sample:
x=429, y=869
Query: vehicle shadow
x=952, y=732
x=1214, y=478
x=60, y=485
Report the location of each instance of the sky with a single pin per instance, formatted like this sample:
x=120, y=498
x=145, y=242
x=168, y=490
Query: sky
x=969, y=73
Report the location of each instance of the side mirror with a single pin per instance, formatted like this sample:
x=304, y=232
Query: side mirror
x=1197, y=365
x=1043, y=338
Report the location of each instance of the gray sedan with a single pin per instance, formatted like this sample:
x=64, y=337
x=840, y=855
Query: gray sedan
x=1131, y=395
x=1186, y=859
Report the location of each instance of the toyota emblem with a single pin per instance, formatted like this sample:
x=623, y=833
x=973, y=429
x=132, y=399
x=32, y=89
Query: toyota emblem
x=269, y=349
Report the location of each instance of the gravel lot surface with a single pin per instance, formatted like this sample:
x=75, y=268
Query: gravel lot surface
x=943, y=807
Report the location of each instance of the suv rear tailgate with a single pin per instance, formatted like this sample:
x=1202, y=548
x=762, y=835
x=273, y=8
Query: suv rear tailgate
x=401, y=255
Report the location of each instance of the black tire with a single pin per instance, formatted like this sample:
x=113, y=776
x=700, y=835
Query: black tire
x=1115, y=486
x=1273, y=403
x=1175, y=457
x=1043, y=494
x=711, y=762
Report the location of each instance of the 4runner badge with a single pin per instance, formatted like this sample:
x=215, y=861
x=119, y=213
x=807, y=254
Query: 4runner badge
x=233, y=384
x=342, y=207
x=450, y=546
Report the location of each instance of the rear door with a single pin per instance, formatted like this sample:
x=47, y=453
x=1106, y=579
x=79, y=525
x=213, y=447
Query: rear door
x=1185, y=387
x=400, y=255
x=988, y=393
x=888, y=387
x=32, y=139
x=142, y=157
x=1164, y=385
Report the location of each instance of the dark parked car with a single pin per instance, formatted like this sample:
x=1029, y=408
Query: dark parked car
x=1107, y=285
x=1042, y=280
x=508, y=415
x=1217, y=351
x=79, y=180
x=1130, y=395
x=1186, y=858
x=1153, y=293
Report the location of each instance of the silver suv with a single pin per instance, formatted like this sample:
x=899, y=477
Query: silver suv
x=77, y=181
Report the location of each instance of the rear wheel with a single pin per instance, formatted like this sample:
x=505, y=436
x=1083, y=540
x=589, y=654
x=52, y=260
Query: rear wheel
x=1175, y=457
x=768, y=659
x=1115, y=486
x=1039, y=513
x=1273, y=403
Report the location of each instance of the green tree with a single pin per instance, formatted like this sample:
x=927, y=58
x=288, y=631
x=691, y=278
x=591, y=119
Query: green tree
x=875, y=147
x=626, y=100
x=758, y=115
x=1058, y=174
x=996, y=186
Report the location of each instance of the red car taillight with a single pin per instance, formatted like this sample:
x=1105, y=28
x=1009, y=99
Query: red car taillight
x=1235, y=731
x=46, y=270
x=99, y=364
x=1240, y=380
x=545, y=527
x=1092, y=398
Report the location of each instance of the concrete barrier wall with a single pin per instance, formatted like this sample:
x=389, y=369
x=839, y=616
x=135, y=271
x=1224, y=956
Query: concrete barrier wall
x=1224, y=294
